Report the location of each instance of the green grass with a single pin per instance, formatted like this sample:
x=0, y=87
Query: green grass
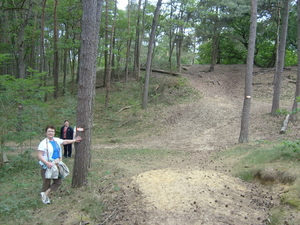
x=20, y=181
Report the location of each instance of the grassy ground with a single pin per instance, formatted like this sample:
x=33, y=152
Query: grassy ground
x=273, y=164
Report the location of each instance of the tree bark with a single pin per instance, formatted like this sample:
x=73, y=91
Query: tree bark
x=128, y=44
x=86, y=88
x=285, y=124
x=149, y=54
x=42, y=50
x=297, y=91
x=137, y=47
x=281, y=55
x=215, y=43
x=110, y=58
x=21, y=42
x=55, y=60
x=244, y=133
x=106, y=45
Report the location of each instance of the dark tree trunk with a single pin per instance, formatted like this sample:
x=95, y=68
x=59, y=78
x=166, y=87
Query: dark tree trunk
x=86, y=88
x=297, y=92
x=137, y=47
x=128, y=44
x=56, y=58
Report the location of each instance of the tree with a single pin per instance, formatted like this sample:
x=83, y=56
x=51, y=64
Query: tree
x=17, y=95
x=137, y=46
x=110, y=60
x=280, y=59
x=128, y=43
x=86, y=88
x=150, y=54
x=295, y=107
x=244, y=133
x=56, y=57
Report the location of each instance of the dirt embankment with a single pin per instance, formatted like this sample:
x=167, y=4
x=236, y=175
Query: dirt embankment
x=195, y=190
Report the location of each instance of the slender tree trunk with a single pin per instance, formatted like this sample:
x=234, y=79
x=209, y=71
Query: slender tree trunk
x=179, y=47
x=56, y=57
x=65, y=62
x=106, y=60
x=21, y=42
x=150, y=53
x=297, y=92
x=215, y=44
x=42, y=52
x=110, y=57
x=91, y=15
x=280, y=63
x=244, y=133
x=128, y=43
x=171, y=39
x=137, y=47
x=65, y=70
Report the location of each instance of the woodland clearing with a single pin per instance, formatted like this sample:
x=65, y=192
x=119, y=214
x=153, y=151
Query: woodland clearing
x=168, y=165
x=192, y=187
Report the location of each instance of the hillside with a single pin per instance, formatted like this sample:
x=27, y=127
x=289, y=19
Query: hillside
x=193, y=189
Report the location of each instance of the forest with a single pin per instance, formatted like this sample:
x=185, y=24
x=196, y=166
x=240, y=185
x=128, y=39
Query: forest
x=92, y=61
x=44, y=36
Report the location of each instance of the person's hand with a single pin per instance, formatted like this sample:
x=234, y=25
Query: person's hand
x=78, y=139
x=49, y=164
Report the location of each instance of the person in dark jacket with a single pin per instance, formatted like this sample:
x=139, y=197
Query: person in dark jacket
x=66, y=133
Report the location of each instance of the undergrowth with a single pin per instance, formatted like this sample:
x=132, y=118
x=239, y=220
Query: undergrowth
x=20, y=180
x=123, y=121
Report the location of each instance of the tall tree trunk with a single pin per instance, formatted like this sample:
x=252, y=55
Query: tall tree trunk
x=128, y=43
x=65, y=70
x=150, y=53
x=56, y=58
x=280, y=58
x=215, y=43
x=244, y=133
x=179, y=47
x=21, y=42
x=65, y=62
x=110, y=57
x=91, y=16
x=137, y=47
x=171, y=39
x=297, y=92
x=42, y=50
x=106, y=60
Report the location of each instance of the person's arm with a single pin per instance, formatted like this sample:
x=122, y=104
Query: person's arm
x=77, y=139
x=41, y=157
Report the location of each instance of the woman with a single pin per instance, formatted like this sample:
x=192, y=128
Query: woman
x=49, y=152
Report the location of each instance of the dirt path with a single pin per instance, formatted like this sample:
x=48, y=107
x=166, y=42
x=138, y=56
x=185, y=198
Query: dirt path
x=196, y=191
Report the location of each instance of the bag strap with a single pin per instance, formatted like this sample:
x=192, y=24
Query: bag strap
x=47, y=149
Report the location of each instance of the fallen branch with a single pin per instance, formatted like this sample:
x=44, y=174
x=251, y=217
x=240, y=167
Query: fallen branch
x=162, y=71
x=285, y=124
x=126, y=107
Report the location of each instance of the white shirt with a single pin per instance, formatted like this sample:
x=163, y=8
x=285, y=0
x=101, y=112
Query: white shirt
x=43, y=147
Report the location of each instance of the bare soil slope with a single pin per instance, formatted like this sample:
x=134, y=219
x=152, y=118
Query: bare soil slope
x=196, y=190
